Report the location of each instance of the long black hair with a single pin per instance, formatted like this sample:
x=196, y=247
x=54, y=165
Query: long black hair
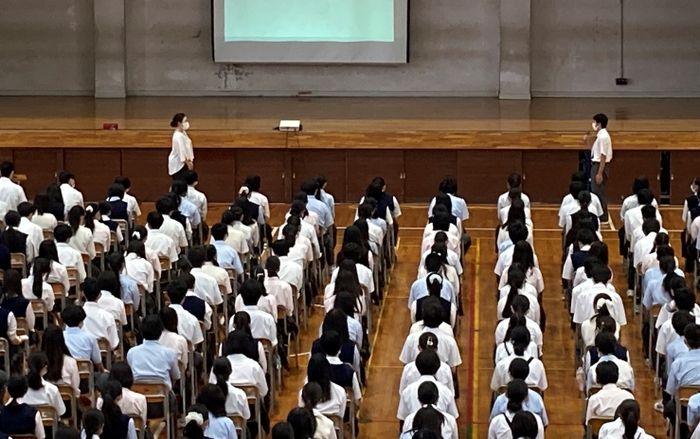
x=111, y=391
x=523, y=255
x=628, y=412
x=320, y=371
x=54, y=346
x=337, y=320
x=48, y=250
x=41, y=270
x=213, y=398
x=428, y=417
x=36, y=362
x=516, y=279
x=75, y=215
x=93, y=422
x=222, y=370
x=516, y=394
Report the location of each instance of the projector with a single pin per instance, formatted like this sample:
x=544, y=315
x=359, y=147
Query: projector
x=289, y=125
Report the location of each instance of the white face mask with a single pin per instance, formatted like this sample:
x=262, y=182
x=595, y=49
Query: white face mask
x=595, y=126
x=185, y=126
x=693, y=188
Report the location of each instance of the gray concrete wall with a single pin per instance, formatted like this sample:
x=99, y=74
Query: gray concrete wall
x=576, y=48
x=47, y=47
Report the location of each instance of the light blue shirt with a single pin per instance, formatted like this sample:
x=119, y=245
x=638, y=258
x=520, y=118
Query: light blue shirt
x=82, y=345
x=220, y=428
x=419, y=289
x=505, y=245
x=459, y=208
x=684, y=372
x=153, y=361
x=354, y=331
x=532, y=404
x=190, y=211
x=227, y=257
x=379, y=222
x=325, y=217
x=674, y=349
x=654, y=293
x=693, y=409
x=328, y=200
x=697, y=244
x=130, y=291
x=650, y=275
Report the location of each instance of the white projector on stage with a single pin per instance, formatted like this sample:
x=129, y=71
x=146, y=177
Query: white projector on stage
x=289, y=125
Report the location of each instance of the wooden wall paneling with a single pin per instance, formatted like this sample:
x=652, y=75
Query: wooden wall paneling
x=269, y=164
x=331, y=163
x=215, y=170
x=626, y=166
x=5, y=154
x=364, y=166
x=94, y=170
x=546, y=174
x=424, y=170
x=684, y=168
x=148, y=171
x=40, y=167
x=483, y=174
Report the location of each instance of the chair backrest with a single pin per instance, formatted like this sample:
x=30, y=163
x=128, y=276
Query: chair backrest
x=22, y=326
x=5, y=353
x=251, y=393
x=238, y=422
x=156, y=392
x=72, y=276
x=165, y=263
x=86, y=258
x=18, y=260
x=23, y=436
x=685, y=392
x=48, y=235
x=49, y=417
x=597, y=422
x=282, y=313
x=85, y=368
x=99, y=249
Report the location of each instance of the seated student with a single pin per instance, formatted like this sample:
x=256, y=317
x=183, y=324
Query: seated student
x=170, y=338
x=194, y=196
x=421, y=287
x=678, y=347
x=651, y=260
x=683, y=300
x=520, y=370
x=62, y=368
x=236, y=400
x=516, y=232
x=206, y=287
x=10, y=193
x=13, y=301
x=658, y=291
x=645, y=244
x=336, y=320
x=508, y=424
x=365, y=211
x=312, y=394
x=517, y=287
x=58, y=273
x=602, y=304
x=98, y=322
x=514, y=199
x=297, y=253
x=599, y=252
x=276, y=287
x=520, y=308
x=158, y=241
x=576, y=259
x=605, y=402
x=364, y=274
x=93, y=424
x=428, y=344
x=35, y=234
x=35, y=286
x=449, y=310
x=429, y=417
x=333, y=401
x=244, y=370
x=228, y=249
x=187, y=323
x=106, y=218
x=262, y=323
x=71, y=196
x=110, y=296
x=211, y=267
x=525, y=258
x=346, y=281
x=325, y=216
x=626, y=423
x=588, y=283
x=450, y=257
x=13, y=238
x=131, y=403
x=101, y=230
x=137, y=267
x=266, y=302
x=151, y=360
x=446, y=270
x=432, y=317
x=117, y=206
x=343, y=373
x=296, y=223
x=117, y=425
x=41, y=392
x=441, y=224
x=579, y=177
x=606, y=344
x=307, y=223
x=131, y=201
x=128, y=288
x=515, y=180
x=238, y=235
x=81, y=344
x=82, y=239
x=587, y=299
x=579, y=210
x=166, y=206
x=448, y=186
x=57, y=207
x=189, y=210
x=520, y=337
x=67, y=255
x=243, y=223
x=592, y=355
x=289, y=271
x=505, y=349
x=219, y=425
x=516, y=212
x=19, y=417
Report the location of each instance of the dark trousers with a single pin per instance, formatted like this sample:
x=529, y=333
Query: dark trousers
x=180, y=175
x=599, y=189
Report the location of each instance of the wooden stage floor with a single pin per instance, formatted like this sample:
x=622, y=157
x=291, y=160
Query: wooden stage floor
x=475, y=340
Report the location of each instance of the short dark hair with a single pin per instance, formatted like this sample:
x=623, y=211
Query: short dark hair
x=648, y=211
x=601, y=119
x=651, y=225
x=191, y=177
x=179, y=187
x=151, y=327
x=519, y=369
x=448, y=185
x=25, y=209
x=197, y=256
x=17, y=386
x=692, y=336
x=154, y=220
x=645, y=196
x=165, y=205
x=124, y=181
x=177, y=290
x=116, y=190
x=73, y=315
x=280, y=248
x=309, y=186
x=62, y=233
x=65, y=176
x=12, y=218
x=601, y=273
x=219, y=231
x=91, y=289
x=169, y=318
x=517, y=232
x=104, y=207
x=515, y=180
x=251, y=291
x=607, y=372
x=605, y=342
x=428, y=362
x=331, y=343
x=6, y=169
x=121, y=371
x=684, y=298
x=585, y=236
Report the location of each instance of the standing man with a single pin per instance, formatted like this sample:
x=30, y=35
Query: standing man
x=601, y=156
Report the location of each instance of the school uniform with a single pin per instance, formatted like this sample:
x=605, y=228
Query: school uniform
x=162, y=244
x=684, y=372
x=100, y=323
x=17, y=242
x=8, y=327
x=584, y=306
x=325, y=428
x=21, y=419
x=589, y=331
x=11, y=193
x=533, y=312
x=459, y=208
x=527, y=289
x=533, y=404
x=82, y=345
x=70, y=374
x=220, y=275
x=410, y=375
x=71, y=197
x=46, y=221
x=199, y=200
x=420, y=325
x=262, y=324
x=583, y=287
x=206, y=287
x=20, y=308
x=150, y=360
x=355, y=331
x=419, y=289
x=188, y=325
x=46, y=292
x=505, y=259
x=245, y=372
x=625, y=371
x=505, y=349
x=655, y=294
x=536, y=378
x=409, y=402
x=133, y=206
x=227, y=256
x=198, y=308
x=177, y=343
x=449, y=311
x=119, y=208
x=504, y=200
x=190, y=211
x=325, y=217
x=452, y=260
x=282, y=292
x=83, y=242
x=616, y=430
x=139, y=270
x=674, y=350
x=632, y=202
x=48, y=394
x=344, y=375
x=634, y=221
x=35, y=235
x=364, y=275
x=71, y=258
x=308, y=230
x=58, y=275
x=237, y=402
x=605, y=402
x=534, y=328
x=448, y=350
x=448, y=429
x=102, y=234
x=291, y=273
x=500, y=428
x=113, y=305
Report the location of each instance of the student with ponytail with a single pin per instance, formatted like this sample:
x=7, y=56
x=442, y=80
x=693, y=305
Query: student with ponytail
x=435, y=284
x=41, y=392
x=116, y=424
x=220, y=426
x=212, y=268
x=626, y=423
x=266, y=302
x=111, y=296
x=523, y=255
x=58, y=274
x=93, y=424
x=35, y=285
x=136, y=265
x=421, y=287
x=506, y=348
x=333, y=397
x=140, y=233
x=196, y=421
x=517, y=287
x=82, y=239
x=302, y=422
x=524, y=425
x=429, y=417
x=501, y=427
x=20, y=418
x=603, y=305
x=236, y=400
x=128, y=288
x=101, y=232
x=14, y=305
x=324, y=428
x=521, y=305
x=537, y=377
x=428, y=345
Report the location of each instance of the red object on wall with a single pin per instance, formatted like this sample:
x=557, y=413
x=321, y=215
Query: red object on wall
x=110, y=126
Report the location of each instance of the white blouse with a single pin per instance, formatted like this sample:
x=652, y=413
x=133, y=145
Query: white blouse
x=83, y=241
x=47, y=292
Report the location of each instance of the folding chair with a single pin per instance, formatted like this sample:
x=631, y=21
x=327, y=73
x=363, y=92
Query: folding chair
x=138, y=426
x=255, y=399
x=233, y=278
x=5, y=353
x=156, y=392
x=594, y=424
x=49, y=417
x=352, y=410
x=282, y=315
x=272, y=369
x=59, y=293
x=23, y=329
x=204, y=346
x=144, y=296
x=48, y=235
x=100, y=253
x=87, y=263
x=39, y=308
x=18, y=261
x=105, y=352
x=124, y=227
x=681, y=400
x=86, y=371
x=73, y=282
x=239, y=423
x=338, y=424
x=68, y=397
x=129, y=308
x=653, y=355
x=165, y=266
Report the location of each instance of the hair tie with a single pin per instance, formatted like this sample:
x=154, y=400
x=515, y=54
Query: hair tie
x=136, y=235
x=88, y=209
x=434, y=277
x=196, y=417
x=429, y=342
x=243, y=190
x=603, y=302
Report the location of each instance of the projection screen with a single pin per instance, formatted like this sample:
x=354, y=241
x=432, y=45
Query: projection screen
x=310, y=31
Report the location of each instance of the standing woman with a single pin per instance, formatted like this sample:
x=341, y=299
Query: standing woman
x=181, y=158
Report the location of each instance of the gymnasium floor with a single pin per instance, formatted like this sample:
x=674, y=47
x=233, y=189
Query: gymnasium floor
x=475, y=339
